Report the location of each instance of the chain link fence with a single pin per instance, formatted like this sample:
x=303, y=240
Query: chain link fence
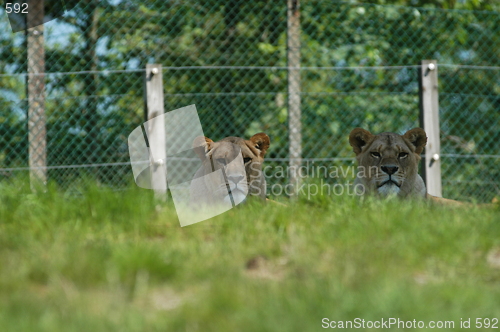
x=359, y=67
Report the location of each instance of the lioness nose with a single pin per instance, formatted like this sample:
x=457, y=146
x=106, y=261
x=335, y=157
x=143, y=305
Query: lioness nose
x=390, y=169
x=235, y=179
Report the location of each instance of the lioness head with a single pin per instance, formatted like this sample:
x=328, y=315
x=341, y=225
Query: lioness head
x=388, y=162
x=238, y=176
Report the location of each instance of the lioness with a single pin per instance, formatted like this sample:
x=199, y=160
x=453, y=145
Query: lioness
x=389, y=162
x=221, y=155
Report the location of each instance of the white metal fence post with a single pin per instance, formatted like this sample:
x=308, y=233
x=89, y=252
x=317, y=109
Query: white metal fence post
x=429, y=120
x=156, y=129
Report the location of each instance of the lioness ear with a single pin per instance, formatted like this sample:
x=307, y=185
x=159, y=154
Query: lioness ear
x=202, y=145
x=261, y=141
x=418, y=138
x=358, y=138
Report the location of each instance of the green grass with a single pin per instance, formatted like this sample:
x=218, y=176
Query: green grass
x=117, y=261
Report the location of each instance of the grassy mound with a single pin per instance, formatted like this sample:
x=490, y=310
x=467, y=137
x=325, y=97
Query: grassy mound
x=118, y=261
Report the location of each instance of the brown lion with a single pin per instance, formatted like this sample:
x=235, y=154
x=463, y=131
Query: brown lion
x=221, y=155
x=389, y=164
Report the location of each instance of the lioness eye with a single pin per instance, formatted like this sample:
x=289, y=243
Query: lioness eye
x=221, y=161
x=375, y=154
x=247, y=160
x=403, y=155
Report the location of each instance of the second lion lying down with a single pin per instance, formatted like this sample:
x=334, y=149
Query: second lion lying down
x=230, y=180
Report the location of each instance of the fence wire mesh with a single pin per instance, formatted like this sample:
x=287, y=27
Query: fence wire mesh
x=358, y=69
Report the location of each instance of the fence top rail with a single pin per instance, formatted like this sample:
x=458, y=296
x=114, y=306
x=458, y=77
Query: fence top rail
x=117, y=71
